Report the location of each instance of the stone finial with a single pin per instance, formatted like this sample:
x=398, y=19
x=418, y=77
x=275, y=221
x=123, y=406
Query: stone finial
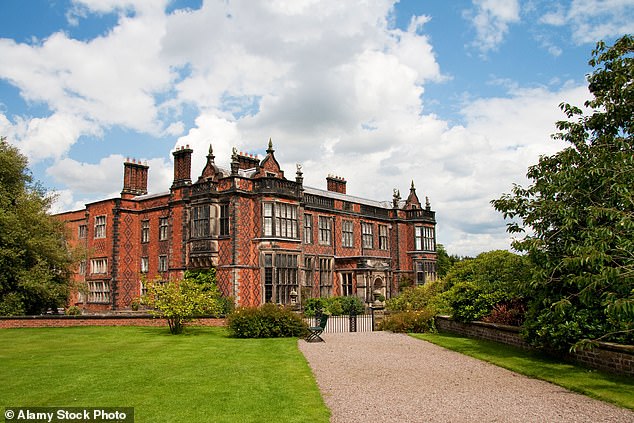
x=270, y=149
x=427, y=203
x=396, y=198
x=299, y=176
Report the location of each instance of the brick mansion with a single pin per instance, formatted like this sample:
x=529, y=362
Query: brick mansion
x=269, y=238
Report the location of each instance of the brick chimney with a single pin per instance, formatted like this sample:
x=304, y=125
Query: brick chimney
x=336, y=184
x=247, y=161
x=182, y=166
x=134, y=178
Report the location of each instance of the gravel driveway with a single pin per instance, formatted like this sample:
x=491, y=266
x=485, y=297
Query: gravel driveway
x=387, y=377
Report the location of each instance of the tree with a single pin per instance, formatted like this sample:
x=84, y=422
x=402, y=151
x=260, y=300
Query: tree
x=493, y=270
x=180, y=301
x=496, y=278
x=35, y=263
x=579, y=210
x=444, y=261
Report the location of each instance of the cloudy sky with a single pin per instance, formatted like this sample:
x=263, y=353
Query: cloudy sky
x=459, y=96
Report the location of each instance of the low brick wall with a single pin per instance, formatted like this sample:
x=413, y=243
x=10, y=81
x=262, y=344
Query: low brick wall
x=608, y=357
x=97, y=320
x=493, y=332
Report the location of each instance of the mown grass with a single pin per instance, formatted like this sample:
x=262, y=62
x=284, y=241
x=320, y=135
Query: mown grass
x=615, y=389
x=201, y=376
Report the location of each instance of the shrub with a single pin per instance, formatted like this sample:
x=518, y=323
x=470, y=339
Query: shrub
x=470, y=302
x=180, y=301
x=73, y=311
x=332, y=306
x=351, y=305
x=405, y=282
x=335, y=306
x=409, y=321
x=267, y=321
x=416, y=298
x=227, y=305
x=510, y=313
x=12, y=305
x=135, y=303
x=312, y=305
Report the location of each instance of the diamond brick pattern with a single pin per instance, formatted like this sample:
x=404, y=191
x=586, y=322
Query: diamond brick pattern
x=236, y=203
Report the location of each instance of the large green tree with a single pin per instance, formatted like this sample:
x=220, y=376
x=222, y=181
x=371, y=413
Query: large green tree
x=35, y=262
x=578, y=213
x=493, y=279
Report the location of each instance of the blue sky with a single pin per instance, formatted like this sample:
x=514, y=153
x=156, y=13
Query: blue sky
x=458, y=96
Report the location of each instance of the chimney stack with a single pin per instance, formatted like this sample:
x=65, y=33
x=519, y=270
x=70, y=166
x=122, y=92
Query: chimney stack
x=134, y=178
x=182, y=166
x=336, y=184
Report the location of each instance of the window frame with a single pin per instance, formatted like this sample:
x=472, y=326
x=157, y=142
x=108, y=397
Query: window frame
x=325, y=276
x=163, y=263
x=309, y=271
x=145, y=264
x=424, y=271
x=308, y=229
x=347, y=233
x=424, y=238
x=279, y=220
x=164, y=225
x=99, y=292
x=346, y=284
x=200, y=222
x=82, y=231
x=384, y=237
x=145, y=231
x=367, y=235
x=224, y=219
x=325, y=230
x=100, y=226
x=280, y=276
x=99, y=266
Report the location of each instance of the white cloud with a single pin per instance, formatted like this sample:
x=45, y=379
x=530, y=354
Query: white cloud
x=335, y=86
x=593, y=20
x=491, y=19
x=109, y=80
x=47, y=137
x=95, y=181
x=88, y=178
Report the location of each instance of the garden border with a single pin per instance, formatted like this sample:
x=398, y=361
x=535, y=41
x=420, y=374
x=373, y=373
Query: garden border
x=49, y=321
x=613, y=358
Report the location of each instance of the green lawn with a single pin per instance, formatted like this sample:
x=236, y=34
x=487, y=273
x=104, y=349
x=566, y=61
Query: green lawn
x=618, y=390
x=201, y=376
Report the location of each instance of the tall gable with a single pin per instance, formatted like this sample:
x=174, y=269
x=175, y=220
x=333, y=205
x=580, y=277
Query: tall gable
x=269, y=166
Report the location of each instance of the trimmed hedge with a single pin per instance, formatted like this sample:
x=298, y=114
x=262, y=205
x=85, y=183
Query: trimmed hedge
x=409, y=322
x=267, y=321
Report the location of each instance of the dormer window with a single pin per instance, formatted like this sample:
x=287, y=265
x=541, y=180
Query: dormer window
x=271, y=174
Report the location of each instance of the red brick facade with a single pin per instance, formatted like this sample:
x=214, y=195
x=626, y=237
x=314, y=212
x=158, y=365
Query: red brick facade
x=269, y=238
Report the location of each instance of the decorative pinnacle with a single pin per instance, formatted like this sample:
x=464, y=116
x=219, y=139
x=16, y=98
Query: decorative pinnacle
x=412, y=187
x=270, y=149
